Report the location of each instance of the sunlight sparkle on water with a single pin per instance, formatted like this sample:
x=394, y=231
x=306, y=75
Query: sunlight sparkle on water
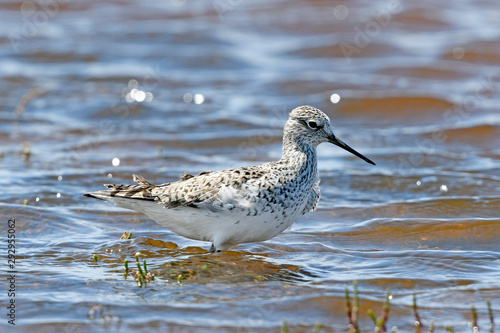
x=59, y=178
x=198, y=98
x=140, y=96
x=443, y=188
x=58, y=195
x=188, y=98
x=335, y=98
x=135, y=94
x=340, y=12
x=115, y=161
x=133, y=84
x=110, y=175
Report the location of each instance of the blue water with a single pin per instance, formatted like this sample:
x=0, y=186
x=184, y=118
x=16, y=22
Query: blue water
x=214, y=81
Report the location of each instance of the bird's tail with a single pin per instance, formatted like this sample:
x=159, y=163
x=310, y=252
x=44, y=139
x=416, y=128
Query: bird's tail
x=126, y=196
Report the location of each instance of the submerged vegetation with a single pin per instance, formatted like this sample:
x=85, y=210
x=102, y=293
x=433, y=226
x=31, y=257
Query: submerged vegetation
x=126, y=236
x=189, y=268
x=380, y=323
x=141, y=275
x=352, y=311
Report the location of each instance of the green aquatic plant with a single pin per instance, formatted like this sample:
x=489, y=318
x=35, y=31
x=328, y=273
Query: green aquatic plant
x=418, y=322
x=474, y=324
x=431, y=327
x=284, y=326
x=385, y=313
x=139, y=265
x=490, y=315
x=381, y=321
x=26, y=151
x=352, y=309
x=95, y=259
x=474, y=319
x=142, y=275
x=126, y=236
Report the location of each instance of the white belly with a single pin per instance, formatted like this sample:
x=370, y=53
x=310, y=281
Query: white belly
x=226, y=228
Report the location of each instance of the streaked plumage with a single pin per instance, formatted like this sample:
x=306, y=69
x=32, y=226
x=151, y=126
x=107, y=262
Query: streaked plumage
x=247, y=204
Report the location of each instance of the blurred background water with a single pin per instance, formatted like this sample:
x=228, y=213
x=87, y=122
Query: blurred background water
x=94, y=91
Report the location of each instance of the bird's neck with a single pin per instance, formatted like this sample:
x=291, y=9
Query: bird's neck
x=299, y=155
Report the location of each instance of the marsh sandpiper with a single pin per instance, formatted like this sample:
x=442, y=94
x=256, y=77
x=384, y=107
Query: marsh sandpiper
x=240, y=205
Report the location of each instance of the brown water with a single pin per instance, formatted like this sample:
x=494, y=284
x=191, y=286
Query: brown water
x=418, y=84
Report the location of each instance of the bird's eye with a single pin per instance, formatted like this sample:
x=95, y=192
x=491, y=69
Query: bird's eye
x=312, y=124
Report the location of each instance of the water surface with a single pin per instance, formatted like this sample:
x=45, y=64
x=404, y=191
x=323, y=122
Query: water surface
x=418, y=86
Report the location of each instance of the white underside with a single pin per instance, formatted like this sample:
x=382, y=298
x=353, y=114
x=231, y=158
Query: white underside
x=224, y=229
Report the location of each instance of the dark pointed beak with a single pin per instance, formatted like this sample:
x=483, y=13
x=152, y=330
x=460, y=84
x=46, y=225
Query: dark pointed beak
x=337, y=142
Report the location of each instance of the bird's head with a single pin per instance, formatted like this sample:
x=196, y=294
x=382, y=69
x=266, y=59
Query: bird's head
x=309, y=125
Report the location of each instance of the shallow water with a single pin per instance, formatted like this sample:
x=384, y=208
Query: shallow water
x=418, y=86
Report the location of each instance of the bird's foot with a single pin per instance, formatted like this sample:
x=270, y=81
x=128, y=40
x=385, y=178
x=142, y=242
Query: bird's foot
x=213, y=249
